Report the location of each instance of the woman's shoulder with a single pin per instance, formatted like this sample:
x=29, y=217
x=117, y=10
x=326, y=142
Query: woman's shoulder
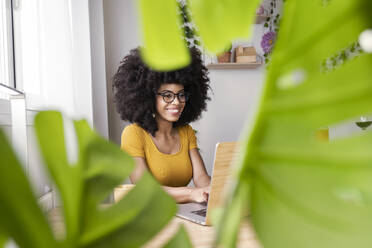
x=133, y=128
x=187, y=129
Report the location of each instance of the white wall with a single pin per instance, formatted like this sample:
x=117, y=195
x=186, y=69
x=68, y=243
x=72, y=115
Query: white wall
x=234, y=97
x=121, y=35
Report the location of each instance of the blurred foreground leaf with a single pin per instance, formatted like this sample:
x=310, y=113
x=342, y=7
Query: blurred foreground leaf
x=68, y=178
x=83, y=186
x=304, y=192
x=220, y=22
x=20, y=216
x=164, y=48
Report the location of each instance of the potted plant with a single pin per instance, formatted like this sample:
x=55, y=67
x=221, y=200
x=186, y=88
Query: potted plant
x=225, y=56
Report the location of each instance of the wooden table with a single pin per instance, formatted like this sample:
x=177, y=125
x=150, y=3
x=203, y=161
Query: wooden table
x=201, y=236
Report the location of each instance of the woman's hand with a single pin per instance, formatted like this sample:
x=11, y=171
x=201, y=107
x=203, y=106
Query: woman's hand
x=200, y=194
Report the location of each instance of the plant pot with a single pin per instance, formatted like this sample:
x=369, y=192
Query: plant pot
x=224, y=57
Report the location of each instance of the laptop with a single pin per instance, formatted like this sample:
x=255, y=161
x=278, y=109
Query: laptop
x=224, y=156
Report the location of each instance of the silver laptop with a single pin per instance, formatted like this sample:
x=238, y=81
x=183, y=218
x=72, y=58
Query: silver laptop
x=200, y=212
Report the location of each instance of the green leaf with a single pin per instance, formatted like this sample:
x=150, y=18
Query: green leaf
x=133, y=220
x=220, y=22
x=303, y=192
x=323, y=190
x=20, y=215
x=101, y=166
x=50, y=133
x=339, y=27
x=228, y=225
x=180, y=240
x=104, y=164
x=164, y=48
x=330, y=98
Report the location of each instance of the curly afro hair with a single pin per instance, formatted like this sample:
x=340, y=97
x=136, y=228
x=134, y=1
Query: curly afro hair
x=135, y=86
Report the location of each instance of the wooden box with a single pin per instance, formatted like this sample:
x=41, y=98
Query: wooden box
x=245, y=55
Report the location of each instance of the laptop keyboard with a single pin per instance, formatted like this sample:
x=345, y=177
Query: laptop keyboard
x=201, y=212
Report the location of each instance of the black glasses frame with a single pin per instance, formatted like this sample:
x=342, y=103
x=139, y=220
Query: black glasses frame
x=163, y=94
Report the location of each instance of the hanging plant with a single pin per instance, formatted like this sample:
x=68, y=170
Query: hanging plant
x=188, y=28
x=267, y=42
x=271, y=25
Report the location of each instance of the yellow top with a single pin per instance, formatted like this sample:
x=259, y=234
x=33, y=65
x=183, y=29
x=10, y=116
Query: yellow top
x=169, y=169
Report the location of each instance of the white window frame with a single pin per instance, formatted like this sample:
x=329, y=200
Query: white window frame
x=7, y=70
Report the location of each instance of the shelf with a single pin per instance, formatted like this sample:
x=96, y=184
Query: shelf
x=234, y=66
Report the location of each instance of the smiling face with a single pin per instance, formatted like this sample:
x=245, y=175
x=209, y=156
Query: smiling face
x=167, y=109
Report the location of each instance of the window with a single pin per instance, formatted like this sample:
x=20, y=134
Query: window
x=6, y=44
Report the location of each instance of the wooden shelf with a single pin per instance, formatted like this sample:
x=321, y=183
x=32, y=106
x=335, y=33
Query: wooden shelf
x=234, y=66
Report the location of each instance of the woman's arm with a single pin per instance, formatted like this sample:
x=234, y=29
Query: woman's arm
x=188, y=194
x=180, y=194
x=200, y=175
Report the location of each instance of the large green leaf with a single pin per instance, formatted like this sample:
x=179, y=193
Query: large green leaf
x=134, y=220
x=104, y=166
x=50, y=133
x=164, y=48
x=220, y=22
x=303, y=192
x=323, y=191
x=232, y=216
x=100, y=167
x=20, y=215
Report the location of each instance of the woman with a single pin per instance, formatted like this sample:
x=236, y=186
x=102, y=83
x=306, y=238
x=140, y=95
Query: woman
x=160, y=105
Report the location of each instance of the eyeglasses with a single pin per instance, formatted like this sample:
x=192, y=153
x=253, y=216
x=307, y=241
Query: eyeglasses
x=169, y=96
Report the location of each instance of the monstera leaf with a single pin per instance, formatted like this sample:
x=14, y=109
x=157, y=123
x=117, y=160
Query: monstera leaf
x=164, y=47
x=83, y=186
x=304, y=192
x=20, y=216
x=221, y=21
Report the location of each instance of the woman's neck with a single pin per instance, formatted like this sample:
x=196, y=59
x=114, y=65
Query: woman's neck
x=165, y=128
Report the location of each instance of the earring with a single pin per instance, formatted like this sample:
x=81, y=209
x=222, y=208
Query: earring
x=153, y=115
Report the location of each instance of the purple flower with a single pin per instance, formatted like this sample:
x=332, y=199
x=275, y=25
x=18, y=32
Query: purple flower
x=267, y=41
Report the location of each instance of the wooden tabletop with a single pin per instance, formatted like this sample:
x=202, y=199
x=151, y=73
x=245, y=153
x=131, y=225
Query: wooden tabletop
x=200, y=236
